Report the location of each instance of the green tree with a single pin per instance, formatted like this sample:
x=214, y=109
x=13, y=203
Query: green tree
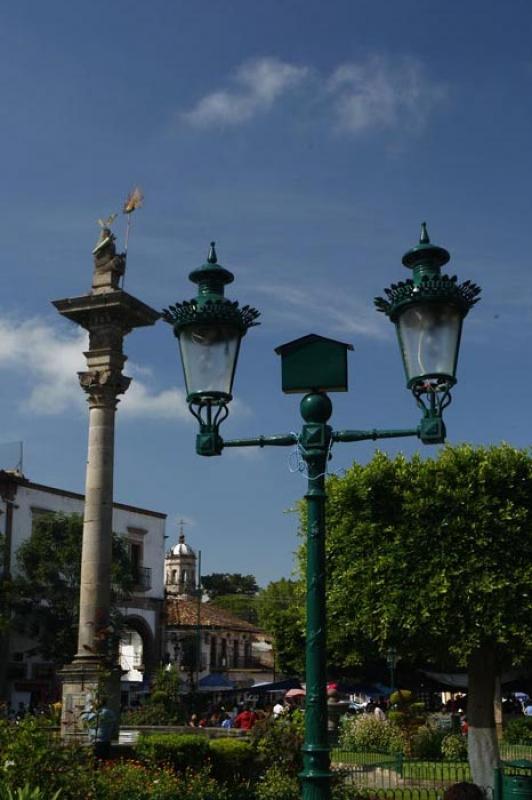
x=435, y=556
x=280, y=613
x=241, y=605
x=46, y=587
x=218, y=584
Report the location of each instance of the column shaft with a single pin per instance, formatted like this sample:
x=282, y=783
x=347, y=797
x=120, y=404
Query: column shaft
x=96, y=560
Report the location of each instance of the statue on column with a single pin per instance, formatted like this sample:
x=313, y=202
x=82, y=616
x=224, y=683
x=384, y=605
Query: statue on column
x=109, y=266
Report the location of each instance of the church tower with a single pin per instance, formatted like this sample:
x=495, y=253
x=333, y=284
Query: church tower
x=180, y=570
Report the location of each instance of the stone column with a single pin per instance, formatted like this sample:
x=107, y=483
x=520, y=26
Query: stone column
x=108, y=314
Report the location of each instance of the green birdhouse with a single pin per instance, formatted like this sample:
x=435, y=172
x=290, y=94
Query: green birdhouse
x=314, y=363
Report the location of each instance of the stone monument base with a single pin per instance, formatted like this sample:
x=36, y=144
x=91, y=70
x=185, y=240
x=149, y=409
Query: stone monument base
x=85, y=681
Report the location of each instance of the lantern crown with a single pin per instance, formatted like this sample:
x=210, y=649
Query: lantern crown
x=210, y=306
x=427, y=283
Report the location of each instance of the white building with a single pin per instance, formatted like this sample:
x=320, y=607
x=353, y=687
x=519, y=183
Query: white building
x=26, y=676
x=232, y=651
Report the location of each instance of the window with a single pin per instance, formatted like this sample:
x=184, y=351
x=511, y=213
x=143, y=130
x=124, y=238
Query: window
x=236, y=653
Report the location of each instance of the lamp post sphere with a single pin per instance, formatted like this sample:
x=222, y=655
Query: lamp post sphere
x=428, y=310
x=316, y=407
x=209, y=329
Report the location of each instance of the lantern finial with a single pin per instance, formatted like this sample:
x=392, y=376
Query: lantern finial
x=424, y=238
x=212, y=258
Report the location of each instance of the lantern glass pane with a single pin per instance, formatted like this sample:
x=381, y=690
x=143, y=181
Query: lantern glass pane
x=429, y=335
x=209, y=354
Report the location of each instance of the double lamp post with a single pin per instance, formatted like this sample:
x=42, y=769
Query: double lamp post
x=427, y=310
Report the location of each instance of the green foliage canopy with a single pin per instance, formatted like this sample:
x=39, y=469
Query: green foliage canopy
x=432, y=554
x=46, y=587
x=280, y=614
x=241, y=605
x=218, y=584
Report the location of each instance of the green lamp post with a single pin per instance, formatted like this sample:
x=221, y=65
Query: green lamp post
x=428, y=313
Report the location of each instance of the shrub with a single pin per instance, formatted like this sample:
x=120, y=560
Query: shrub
x=129, y=780
x=427, y=742
x=278, y=741
x=201, y=785
x=277, y=784
x=518, y=731
x=454, y=747
x=153, y=714
x=26, y=793
x=232, y=759
x=408, y=714
x=370, y=734
x=181, y=751
x=30, y=752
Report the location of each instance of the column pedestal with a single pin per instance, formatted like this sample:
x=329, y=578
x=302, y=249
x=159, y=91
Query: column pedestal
x=84, y=682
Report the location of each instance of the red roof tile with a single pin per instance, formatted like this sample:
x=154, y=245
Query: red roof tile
x=184, y=613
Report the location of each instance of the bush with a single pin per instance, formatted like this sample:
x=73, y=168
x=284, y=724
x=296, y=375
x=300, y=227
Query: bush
x=278, y=741
x=129, y=780
x=30, y=753
x=181, y=751
x=518, y=731
x=133, y=781
x=153, y=714
x=232, y=759
x=408, y=714
x=277, y=784
x=454, y=747
x=427, y=742
x=370, y=734
x=26, y=793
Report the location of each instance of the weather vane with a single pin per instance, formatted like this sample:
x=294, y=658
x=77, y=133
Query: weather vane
x=105, y=249
x=134, y=200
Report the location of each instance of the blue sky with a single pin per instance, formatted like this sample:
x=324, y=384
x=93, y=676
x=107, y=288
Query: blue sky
x=309, y=139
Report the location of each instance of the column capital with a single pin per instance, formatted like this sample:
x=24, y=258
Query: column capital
x=103, y=386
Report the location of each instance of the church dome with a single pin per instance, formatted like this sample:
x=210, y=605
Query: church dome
x=182, y=548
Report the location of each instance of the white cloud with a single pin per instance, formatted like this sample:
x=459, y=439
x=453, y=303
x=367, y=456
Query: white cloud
x=166, y=404
x=259, y=84
x=377, y=93
x=50, y=359
x=341, y=314
x=381, y=93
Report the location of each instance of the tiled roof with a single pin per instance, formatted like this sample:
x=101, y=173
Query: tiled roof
x=185, y=613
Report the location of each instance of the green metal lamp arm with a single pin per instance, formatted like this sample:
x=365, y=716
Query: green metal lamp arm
x=431, y=430
x=360, y=436
x=262, y=441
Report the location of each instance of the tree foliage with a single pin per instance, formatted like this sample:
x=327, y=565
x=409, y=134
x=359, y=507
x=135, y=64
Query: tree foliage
x=241, y=605
x=46, y=587
x=218, y=584
x=280, y=614
x=433, y=555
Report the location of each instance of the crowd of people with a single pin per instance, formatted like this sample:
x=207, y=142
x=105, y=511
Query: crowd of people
x=241, y=717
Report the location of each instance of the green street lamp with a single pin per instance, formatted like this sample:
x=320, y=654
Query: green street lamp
x=210, y=328
x=428, y=311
